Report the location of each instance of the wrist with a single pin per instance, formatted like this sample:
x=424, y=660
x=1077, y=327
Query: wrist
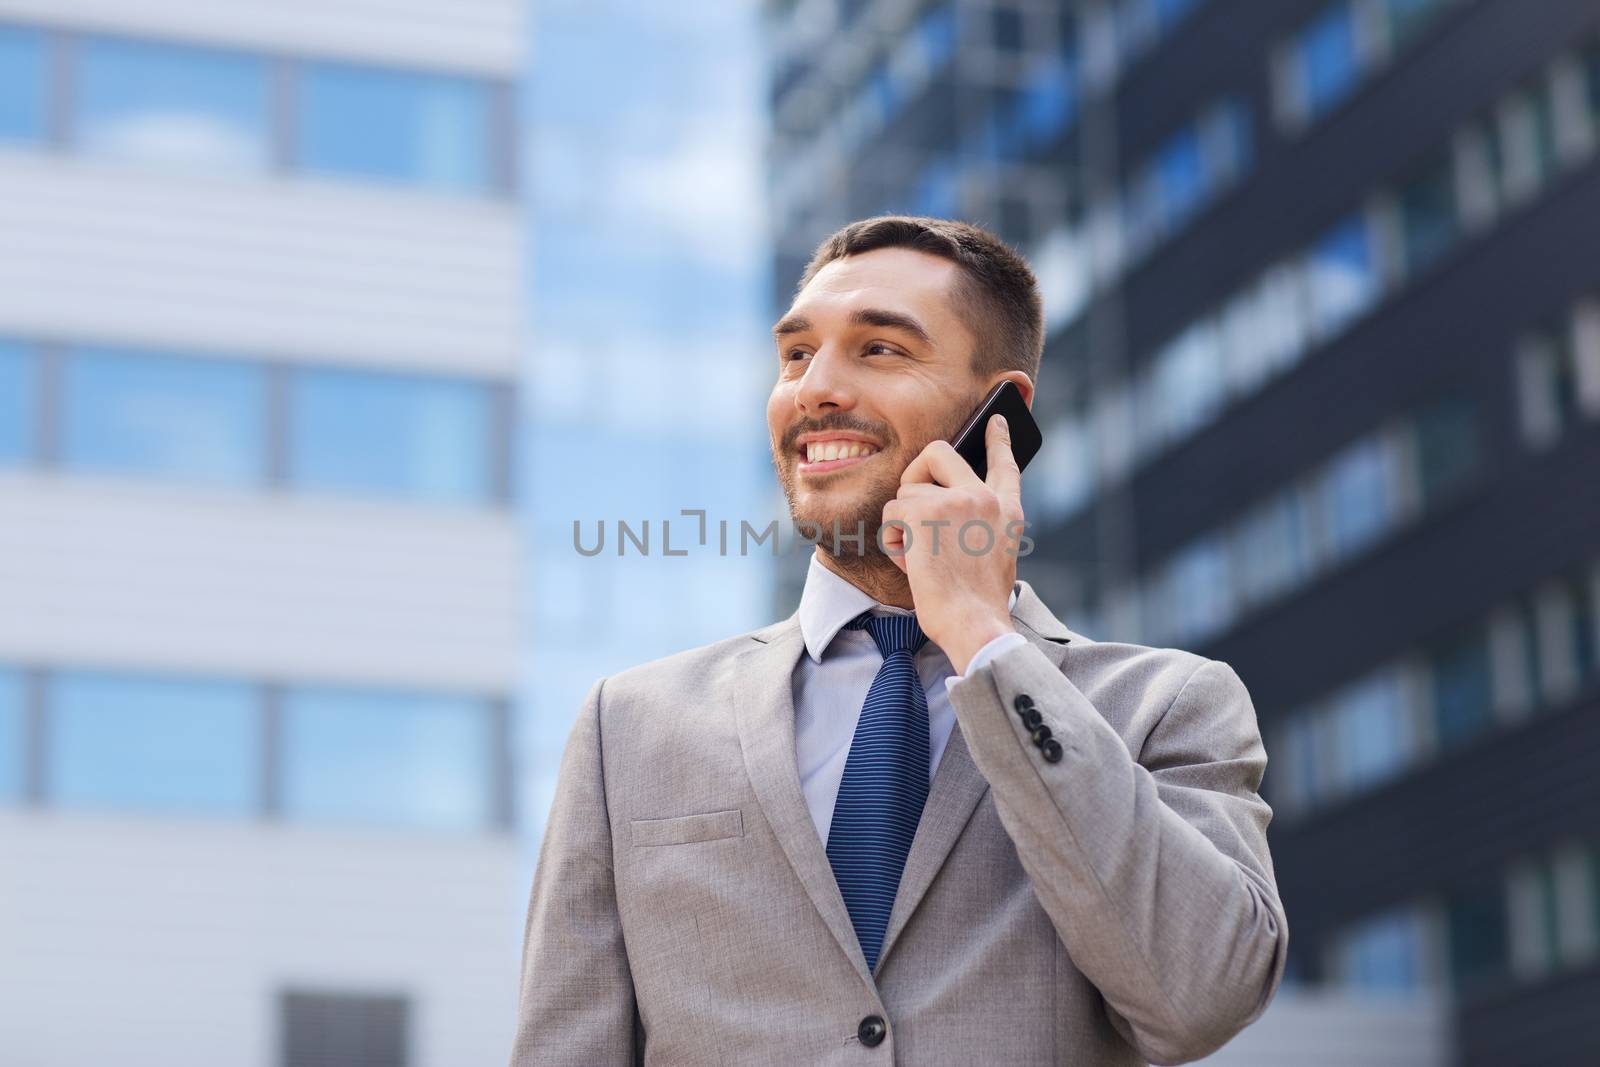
x=972, y=639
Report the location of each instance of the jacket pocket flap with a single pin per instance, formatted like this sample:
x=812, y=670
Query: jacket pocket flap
x=687, y=829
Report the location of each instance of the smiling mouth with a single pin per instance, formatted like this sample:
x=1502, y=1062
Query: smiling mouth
x=820, y=457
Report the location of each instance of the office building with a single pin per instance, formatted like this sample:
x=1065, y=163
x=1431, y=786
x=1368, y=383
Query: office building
x=261, y=303
x=1321, y=398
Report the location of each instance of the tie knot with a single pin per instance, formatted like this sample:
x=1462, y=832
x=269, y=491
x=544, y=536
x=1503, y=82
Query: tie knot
x=891, y=633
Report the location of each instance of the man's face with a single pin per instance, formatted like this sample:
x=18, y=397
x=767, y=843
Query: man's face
x=873, y=364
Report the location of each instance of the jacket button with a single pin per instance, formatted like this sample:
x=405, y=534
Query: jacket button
x=1051, y=749
x=1041, y=734
x=1023, y=702
x=872, y=1031
x=1031, y=718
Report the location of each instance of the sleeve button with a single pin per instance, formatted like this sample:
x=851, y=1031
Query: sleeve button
x=1051, y=750
x=1022, y=702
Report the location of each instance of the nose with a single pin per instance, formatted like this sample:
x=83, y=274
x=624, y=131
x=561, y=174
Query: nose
x=827, y=384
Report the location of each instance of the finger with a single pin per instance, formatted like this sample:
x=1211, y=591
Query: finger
x=893, y=537
x=940, y=464
x=1004, y=476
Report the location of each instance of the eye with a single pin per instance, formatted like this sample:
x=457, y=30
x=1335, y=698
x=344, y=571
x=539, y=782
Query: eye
x=794, y=354
x=879, y=346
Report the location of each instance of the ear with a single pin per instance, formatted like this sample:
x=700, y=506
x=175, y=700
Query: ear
x=1023, y=382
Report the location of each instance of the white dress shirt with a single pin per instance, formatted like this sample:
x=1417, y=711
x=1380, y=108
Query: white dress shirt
x=831, y=682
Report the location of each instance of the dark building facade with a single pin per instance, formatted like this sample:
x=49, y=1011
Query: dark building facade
x=1321, y=398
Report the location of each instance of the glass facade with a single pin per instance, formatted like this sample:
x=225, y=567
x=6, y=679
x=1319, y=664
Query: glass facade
x=134, y=743
x=13, y=735
x=393, y=435
x=118, y=741
x=1327, y=59
x=138, y=413
x=1462, y=689
x=195, y=108
x=210, y=421
x=387, y=758
x=24, y=67
x=214, y=110
x=1386, y=953
x=421, y=129
x=19, y=391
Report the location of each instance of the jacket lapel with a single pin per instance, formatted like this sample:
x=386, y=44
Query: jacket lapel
x=763, y=698
x=759, y=682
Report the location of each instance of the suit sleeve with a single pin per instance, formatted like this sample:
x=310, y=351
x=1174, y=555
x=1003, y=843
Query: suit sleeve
x=1154, y=871
x=576, y=1003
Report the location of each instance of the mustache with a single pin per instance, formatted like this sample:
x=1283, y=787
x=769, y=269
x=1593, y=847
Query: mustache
x=838, y=424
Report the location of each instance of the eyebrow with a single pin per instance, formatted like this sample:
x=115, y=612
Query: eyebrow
x=882, y=317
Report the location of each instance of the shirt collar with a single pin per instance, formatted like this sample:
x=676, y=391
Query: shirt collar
x=828, y=602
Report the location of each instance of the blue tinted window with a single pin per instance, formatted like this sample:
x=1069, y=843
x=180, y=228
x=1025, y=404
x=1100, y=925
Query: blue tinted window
x=396, y=758
x=1329, y=58
x=1181, y=171
x=19, y=392
x=426, y=129
x=138, y=413
x=1461, y=690
x=193, y=107
x=1429, y=223
x=13, y=735
x=1477, y=933
x=23, y=81
x=1342, y=276
x=429, y=438
x=142, y=743
x=1407, y=18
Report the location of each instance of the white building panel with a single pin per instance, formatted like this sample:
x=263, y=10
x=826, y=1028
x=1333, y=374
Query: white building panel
x=483, y=36
x=165, y=943
x=259, y=585
x=291, y=268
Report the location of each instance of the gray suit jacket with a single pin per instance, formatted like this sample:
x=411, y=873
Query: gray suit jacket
x=1115, y=907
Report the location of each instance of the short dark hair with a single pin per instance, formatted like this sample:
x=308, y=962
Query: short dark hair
x=1000, y=294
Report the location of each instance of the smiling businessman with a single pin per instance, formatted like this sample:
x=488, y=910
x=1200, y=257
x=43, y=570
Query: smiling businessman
x=919, y=821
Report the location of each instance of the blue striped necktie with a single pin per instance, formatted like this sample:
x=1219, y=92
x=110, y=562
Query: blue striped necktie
x=885, y=782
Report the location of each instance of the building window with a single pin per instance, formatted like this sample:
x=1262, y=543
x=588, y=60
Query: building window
x=1359, y=496
x=1273, y=547
x=1429, y=218
x=23, y=80
x=1184, y=388
x=1187, y=172
x=199, y=108
x=1475, y=918
x=1447, y=447
x=19, y=392
x=344, y=1029
x=364, y=756
x=1405, y=20
x=1342, y=276
x=1387, y=953
x=1376, y=730
x=199, y=419
x=393, y=435
x=1462, y=690
x=423, y=129
x=1324, y=62
x=13, y=735
x=143, y=743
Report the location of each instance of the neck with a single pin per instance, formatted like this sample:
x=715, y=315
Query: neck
x=875, y=575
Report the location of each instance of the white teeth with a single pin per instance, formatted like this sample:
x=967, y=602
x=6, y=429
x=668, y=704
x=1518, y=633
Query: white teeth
x=821, y=451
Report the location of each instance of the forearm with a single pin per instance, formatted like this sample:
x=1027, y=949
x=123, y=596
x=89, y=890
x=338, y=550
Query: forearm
x=1161, y=889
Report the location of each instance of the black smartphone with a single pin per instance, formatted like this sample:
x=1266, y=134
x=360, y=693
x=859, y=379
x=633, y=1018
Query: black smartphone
x=1005, y=399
